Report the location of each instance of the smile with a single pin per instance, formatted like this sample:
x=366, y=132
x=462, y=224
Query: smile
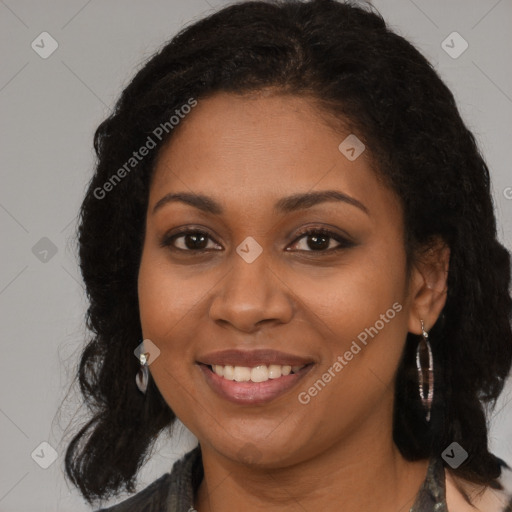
x=256, y=385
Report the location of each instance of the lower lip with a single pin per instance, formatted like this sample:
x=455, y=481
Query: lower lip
x=252, y=393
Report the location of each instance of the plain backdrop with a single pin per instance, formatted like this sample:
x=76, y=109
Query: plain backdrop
x=49, y=110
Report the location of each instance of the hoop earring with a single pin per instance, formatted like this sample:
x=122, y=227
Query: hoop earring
x=425, y=374
x=142, y=377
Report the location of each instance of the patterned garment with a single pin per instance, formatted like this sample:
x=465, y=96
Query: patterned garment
x=174, y=492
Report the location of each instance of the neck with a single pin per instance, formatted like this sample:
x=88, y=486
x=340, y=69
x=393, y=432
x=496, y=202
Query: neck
x=364, y=471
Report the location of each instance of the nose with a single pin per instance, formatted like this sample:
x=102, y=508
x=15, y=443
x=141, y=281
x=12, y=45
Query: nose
x=251, y=294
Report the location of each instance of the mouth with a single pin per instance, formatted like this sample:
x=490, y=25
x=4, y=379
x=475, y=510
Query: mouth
x=252, y=377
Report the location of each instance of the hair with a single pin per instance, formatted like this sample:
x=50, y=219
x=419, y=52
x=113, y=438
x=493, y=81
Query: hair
x=345, y=60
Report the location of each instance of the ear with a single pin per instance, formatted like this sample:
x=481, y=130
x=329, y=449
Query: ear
x=428, y=285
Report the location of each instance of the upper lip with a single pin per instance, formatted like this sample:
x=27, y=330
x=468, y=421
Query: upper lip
x=235, y=357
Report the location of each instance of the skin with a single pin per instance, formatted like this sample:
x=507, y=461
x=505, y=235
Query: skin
x=247, y=153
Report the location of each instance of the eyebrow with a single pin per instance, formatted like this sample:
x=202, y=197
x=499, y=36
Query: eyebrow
x=284, y=205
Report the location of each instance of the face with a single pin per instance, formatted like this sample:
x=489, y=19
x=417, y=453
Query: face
x=321, y=281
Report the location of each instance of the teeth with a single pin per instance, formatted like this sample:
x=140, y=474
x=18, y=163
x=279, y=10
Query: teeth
x=228, y=372
x=259, y=373
x=242, y=374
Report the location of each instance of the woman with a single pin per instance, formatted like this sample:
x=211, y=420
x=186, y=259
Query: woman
x=292, y=229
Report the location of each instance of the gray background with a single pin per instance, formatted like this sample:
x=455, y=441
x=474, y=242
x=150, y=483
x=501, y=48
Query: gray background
x=49, y=110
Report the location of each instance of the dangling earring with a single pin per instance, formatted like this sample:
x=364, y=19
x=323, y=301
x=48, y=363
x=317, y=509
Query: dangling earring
x=142, y=377
x=425, y=375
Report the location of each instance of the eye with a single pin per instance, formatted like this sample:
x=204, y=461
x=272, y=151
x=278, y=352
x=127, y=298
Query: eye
x=188, y=240
x=320, y=240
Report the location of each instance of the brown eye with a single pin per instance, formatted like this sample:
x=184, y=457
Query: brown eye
x=321, y=240
x=191, y=240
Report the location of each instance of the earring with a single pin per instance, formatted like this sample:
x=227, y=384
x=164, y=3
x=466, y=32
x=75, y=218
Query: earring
x=425, y=375
x=142, y=377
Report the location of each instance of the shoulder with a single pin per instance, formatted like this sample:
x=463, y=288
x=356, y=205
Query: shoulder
x=171, y=492
x=484, y=499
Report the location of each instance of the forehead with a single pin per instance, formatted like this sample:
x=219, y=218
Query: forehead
x=258, y=148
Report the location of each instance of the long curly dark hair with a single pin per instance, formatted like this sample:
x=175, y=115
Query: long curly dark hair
x=345, y=59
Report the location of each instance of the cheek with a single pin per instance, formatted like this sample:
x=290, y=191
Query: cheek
x=164, y=299
x=347, y=299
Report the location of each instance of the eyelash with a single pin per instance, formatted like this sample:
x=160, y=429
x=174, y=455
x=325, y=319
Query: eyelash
x=345, y=243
